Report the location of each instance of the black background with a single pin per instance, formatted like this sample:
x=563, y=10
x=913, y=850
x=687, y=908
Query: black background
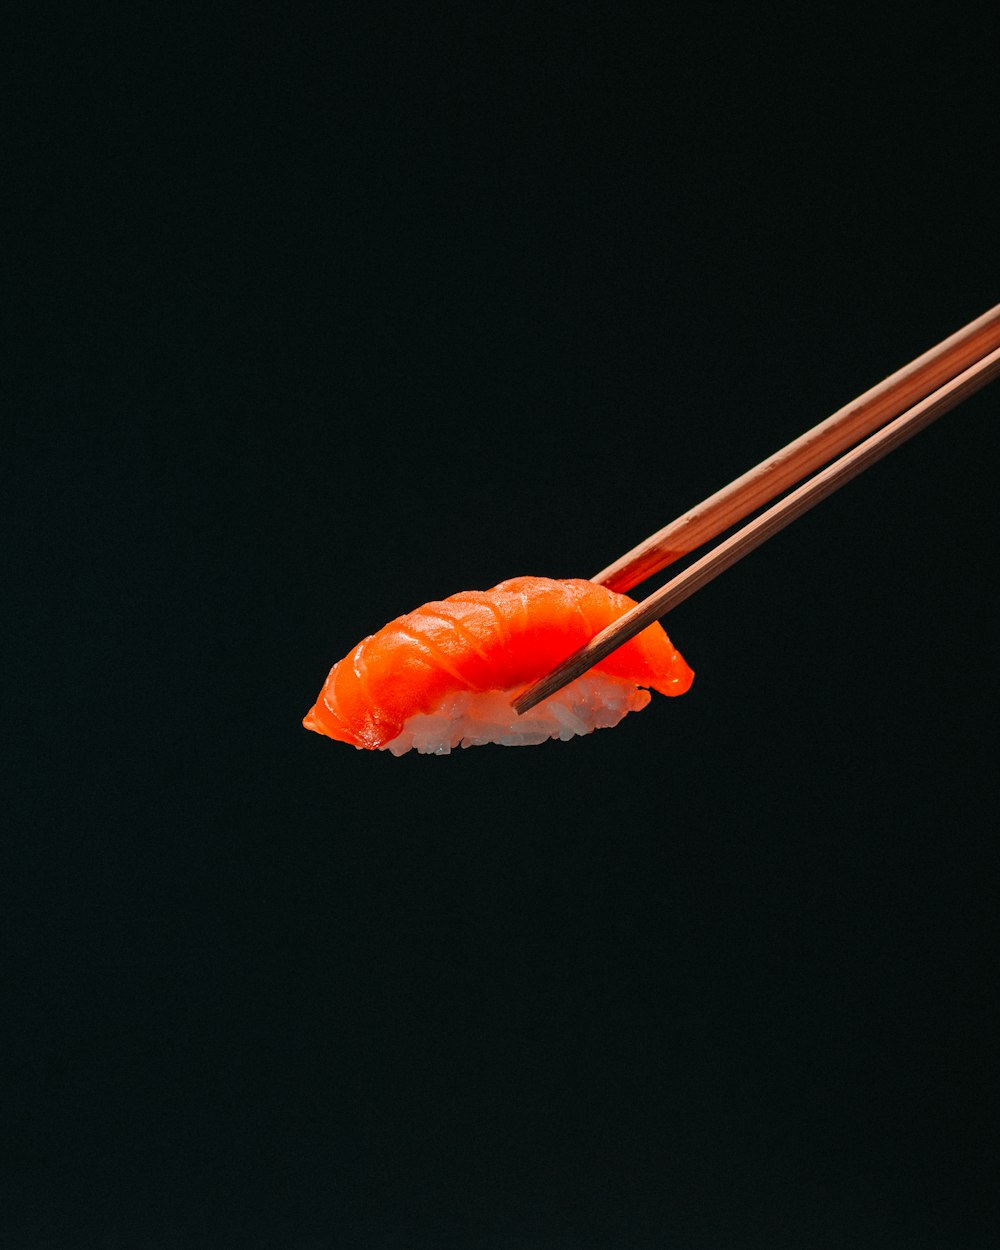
x=330, y=311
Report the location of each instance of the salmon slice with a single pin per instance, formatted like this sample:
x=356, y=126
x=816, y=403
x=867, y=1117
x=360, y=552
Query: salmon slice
x=483, y=641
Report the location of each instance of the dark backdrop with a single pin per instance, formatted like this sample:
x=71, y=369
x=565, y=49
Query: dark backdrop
x=334, y=310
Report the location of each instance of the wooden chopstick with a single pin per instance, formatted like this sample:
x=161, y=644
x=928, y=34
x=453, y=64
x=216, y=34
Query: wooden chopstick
x=806, y=454
x=775, y=518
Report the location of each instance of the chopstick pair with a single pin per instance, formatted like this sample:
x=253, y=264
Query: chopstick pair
x=896, y=409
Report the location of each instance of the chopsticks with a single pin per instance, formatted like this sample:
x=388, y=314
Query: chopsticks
x=963, y=363
x=806, y=454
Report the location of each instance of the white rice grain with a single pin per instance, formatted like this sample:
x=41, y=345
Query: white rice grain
x=472, y=719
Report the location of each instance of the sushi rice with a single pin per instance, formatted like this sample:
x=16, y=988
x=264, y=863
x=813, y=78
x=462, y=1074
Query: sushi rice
x=471, y=718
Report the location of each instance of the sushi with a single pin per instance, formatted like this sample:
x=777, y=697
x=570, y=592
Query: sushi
x=446, y=674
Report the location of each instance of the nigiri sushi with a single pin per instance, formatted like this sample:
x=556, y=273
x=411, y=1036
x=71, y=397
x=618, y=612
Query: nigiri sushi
x=447, y=673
